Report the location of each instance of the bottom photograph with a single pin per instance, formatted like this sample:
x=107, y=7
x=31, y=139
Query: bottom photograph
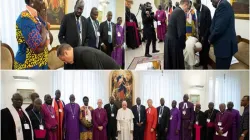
x=124, y=105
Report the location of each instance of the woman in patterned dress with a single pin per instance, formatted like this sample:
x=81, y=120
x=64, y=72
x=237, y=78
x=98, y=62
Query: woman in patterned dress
x=32, y=36
x=190, y=22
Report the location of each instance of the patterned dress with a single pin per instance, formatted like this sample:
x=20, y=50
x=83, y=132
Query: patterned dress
x=29, y=39
x=190, y=23
x=86, y=128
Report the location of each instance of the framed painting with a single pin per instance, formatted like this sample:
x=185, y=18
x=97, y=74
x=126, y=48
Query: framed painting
x=122, y=87
x=100, y=15
x=163, y=3
x=194, y=98
x=25, y=93
x=241, y=8
x=56, y=9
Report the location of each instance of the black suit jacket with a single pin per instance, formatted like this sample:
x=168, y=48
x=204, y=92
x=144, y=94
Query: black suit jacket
x=68, y=32
x=91, y=58
x=91, y=37
x=104, y=34
x=205, y=23
x=111, y=120
x=164, y=121
x=223, y=35
x=136, y=115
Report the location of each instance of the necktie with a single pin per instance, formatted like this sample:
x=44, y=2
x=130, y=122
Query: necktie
x=111, y=108
x=161, y=110
x=78, y=26
x=139, y=114
x=109, y=36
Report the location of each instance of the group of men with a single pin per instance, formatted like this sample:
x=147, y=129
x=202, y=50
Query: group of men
x=218, y=32
x=176, y=24
x=54, y=120
x=88, y=44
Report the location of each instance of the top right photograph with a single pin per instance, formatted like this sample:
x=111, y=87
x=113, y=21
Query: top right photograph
x=187, y=34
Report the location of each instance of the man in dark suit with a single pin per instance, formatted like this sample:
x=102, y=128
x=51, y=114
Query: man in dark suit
x=200, y=124
x=107, y=35
x=223, y=36
x=85, y=57
x=175, y=38
x=163, y=120
x=148, y=28
x=73, y=29
x=139, y=112
x=204, y=23
x=111, y=110
x=93, y=33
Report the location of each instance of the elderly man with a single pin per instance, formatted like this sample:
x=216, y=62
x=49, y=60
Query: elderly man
x=100, y=120
x=236, y=121
x=15, y=122
x=37, y=120
x=223, y=124
x=200, y=124
x=33, y=96
x=160, y=17
x=210, y=115
x=73, y=29
x=71, y=119
x=192, y=46
x=187, y=118
x=125, y=125
x=151, y=122
x=85, y=57
x=49, y=114
x=223, y=35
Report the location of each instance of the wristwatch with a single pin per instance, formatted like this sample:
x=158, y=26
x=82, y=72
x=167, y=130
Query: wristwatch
x=243, y=135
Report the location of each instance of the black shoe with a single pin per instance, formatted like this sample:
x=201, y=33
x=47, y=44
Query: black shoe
x=148, y=55
x=160, y=41
x=156, y=51
x=205, y=67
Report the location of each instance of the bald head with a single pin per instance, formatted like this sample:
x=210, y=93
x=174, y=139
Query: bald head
x=99, y=103
x=162, y=101
x=124, y=104
x=17, y=100
x=109, y=16
x=230, y=105
x=72, y=98
x=48, y=99
x=79, y=8
x=211, y=106
x=33, y=96
x=37, y=104
x=222, y=107
x=174, y=103
x=138, y=101
x=185, y=98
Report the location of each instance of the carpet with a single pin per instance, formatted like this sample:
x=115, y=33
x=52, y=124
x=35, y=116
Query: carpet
x=142, y=59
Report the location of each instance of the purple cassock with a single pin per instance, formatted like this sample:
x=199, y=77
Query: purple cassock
x=118, y=52
x=224, y=122
x=100, y=118
x=50, y=121
x=234, y=131
x=175, y=124
x=187, y=117
x=160, y=15
x=71, y=121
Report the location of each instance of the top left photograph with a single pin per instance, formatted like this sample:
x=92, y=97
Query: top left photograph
x=62, y=34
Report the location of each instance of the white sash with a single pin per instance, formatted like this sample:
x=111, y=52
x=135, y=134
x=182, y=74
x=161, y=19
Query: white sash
x=18, y=124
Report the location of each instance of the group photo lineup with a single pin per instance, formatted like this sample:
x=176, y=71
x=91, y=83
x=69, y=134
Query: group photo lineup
x=124, y=105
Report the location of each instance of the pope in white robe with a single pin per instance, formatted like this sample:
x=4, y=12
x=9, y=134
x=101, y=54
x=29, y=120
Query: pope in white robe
x=125, y=125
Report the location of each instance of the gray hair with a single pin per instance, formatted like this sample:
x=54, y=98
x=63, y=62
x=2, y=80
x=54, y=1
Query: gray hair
x=61, y=48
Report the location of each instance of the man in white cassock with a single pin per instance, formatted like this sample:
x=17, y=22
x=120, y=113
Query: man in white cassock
x=125, y=125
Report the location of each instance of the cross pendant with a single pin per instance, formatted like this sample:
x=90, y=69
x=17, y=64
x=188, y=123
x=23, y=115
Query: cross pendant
x=73, y=117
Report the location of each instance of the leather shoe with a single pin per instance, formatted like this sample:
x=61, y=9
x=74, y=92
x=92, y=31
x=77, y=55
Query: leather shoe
x=148, y=55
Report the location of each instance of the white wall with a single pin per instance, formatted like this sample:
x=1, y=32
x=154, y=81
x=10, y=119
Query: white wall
x=41, y=83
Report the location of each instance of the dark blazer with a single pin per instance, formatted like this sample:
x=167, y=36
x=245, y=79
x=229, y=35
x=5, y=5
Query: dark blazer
x=104, y=34
x=223, y=35
x=111, y=120
x=136, y=115
x=90, y=58
x=68, y=30
x=205, y=22
x=91, y=37
x=164, y=121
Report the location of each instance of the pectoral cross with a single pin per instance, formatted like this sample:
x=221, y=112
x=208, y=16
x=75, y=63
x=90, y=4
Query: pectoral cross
x=73, y=117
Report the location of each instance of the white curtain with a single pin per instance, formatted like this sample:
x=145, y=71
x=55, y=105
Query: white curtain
x=160, y=84
x=9, y=12
x=93, y=84
x=224, y=87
